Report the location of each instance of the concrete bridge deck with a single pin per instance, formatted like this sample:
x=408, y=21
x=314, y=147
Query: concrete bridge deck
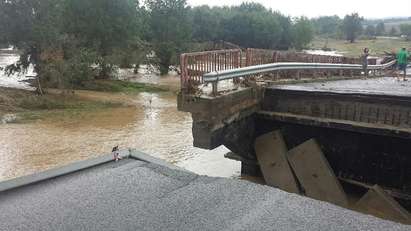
x=388, y=86
x=138, y=195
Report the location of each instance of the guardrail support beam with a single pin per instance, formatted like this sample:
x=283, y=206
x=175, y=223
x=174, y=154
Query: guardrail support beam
x=214, y=88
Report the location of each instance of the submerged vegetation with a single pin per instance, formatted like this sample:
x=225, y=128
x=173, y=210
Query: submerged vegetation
x=71, y=43
x=118, y=86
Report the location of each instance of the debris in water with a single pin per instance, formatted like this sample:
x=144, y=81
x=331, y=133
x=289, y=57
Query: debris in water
x=315, y=174
x=378, y=203
x=271, y=154
x=8, y=118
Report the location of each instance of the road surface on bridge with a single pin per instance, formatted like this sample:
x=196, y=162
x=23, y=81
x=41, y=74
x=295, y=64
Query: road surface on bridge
x=372, y=86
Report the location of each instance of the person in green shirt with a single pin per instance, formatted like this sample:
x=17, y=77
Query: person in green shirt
x=402, y=61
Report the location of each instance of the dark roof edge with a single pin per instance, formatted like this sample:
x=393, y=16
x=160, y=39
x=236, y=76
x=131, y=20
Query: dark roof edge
x=78, y=166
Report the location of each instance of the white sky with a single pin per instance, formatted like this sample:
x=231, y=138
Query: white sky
x=314, y=8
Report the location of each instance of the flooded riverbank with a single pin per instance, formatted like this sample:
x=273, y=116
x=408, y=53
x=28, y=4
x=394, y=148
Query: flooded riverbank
x=152, y=125
x=149, y=122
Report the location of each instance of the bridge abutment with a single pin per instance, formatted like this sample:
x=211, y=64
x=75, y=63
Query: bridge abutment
x=365, y=137
x=224, y=120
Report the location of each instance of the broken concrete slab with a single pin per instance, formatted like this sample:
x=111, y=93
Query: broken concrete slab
x=378, y=203
x=315, y=174
x=271, y=153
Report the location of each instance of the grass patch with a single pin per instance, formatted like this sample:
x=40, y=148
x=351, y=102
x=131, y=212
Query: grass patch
x=53, y=108
x=56, y=102
x=30, y=106
x=377, y=47
x=118, y=86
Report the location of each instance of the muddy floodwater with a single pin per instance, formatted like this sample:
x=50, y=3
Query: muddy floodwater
x=156, y=128
x=150, y=124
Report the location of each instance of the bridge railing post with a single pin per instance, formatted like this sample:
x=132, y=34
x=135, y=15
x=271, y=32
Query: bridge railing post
x=214, y=86
x=184, y=74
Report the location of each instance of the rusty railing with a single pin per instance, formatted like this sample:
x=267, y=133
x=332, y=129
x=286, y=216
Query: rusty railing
x=195, y=65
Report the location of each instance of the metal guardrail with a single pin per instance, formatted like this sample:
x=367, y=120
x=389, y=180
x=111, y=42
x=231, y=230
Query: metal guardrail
x=194, y=65
x=260, y=69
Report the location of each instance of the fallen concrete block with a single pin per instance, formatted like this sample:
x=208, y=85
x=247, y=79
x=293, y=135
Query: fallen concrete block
x=378, y=203
x=271, y=154
x=315, y=174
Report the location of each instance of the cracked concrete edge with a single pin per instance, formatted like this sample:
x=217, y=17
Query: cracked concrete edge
x=135, y=154
x=78, y=166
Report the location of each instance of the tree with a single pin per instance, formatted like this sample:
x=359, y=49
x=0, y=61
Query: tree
x=380, y=29
x=303, y=33
x=252, y=25
x=327, y=25
x=247, y=25
x=370, y=31
x=352, y=26
x=170, y=30
x=106, y=27
x=393, y=31
x=34, y=28
x=287, y=36
x=64, y=39
x=206, y=24
x=406, y=30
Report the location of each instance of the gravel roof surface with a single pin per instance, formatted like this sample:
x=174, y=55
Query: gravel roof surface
x=135, y=195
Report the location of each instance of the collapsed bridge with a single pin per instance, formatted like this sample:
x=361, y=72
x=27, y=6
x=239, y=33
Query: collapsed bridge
x=362, y=126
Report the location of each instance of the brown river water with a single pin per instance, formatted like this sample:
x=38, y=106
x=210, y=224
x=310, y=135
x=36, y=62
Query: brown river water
x=150, y=124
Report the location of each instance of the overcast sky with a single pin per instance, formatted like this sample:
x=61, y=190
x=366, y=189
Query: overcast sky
x=314, y=8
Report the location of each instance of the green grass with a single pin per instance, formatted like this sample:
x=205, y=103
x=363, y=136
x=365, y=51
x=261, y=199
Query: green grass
x=53, y=102
x=377, y=47
x=68, y=108
x=29, y=106
x=118, y=86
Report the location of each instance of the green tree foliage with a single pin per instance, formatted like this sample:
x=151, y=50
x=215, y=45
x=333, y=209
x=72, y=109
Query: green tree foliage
x=170, y=30
x=328, y=26
x=107, y=27
x=393, y=31
x=380, y=29
x=287, y=36
x=68, y=41
x=352, y=27
x=247, y=25
x=251, y=25
x=206, y=23
x=406, y=30
x=370, y=31
x=33, y=27
x=303, y=33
